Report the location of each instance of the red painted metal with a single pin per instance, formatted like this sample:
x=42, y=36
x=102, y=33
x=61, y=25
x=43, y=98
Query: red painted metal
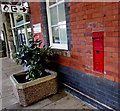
x=97, y=35
x=98, y=51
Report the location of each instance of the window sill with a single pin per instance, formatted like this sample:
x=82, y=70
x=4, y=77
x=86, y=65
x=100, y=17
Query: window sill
x=59, y=46
x=63, y=53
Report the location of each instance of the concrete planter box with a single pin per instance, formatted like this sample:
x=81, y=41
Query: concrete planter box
x=35, y=90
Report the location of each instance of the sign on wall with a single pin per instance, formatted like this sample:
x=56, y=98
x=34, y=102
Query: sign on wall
x=37, y=28
x=13, y=8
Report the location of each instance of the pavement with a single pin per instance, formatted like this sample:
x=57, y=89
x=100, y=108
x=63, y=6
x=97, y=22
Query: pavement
x=61, y=100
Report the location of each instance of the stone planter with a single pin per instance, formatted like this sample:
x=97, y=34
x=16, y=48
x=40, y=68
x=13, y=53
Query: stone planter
x=35, y=90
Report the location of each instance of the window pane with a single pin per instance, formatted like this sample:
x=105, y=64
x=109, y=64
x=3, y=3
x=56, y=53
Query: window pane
x=27, y=17
x=19, y=19
x=26, y=4
x=55, y=34
x=51, y=3
x=20, y=37
x=59, y=0
x=29, y=31
x=53, y=12
x=61, y=10
x=1, y=36
x=63, y=34
x=13, y=20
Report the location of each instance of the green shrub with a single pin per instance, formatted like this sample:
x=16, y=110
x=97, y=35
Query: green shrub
x=35, y=58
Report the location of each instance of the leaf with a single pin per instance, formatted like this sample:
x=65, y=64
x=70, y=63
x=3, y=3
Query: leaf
x=33, y=75
x=27, y=77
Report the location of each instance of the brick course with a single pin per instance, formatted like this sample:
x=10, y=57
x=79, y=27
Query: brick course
x=36, y=17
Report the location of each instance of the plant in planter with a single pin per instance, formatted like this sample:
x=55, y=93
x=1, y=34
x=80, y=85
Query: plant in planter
x=36, y=82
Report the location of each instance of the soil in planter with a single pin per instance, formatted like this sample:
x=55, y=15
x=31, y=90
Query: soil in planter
x=21, y=78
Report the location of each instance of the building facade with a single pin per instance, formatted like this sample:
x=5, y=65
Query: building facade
x=86, y=38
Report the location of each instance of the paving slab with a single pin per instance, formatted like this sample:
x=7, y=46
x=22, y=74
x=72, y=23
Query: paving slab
x=68, y=102
x=37, y=105
x=16, y=106
x=3, y=76
x=12, y=66
x=40, y=104
x=6, y=91
x=13, y=70
x=60, y=94
x=8, y=101
x=6, y=88
x=0, y=104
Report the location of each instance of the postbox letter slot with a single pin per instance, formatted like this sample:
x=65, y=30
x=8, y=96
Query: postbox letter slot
x=97, y=51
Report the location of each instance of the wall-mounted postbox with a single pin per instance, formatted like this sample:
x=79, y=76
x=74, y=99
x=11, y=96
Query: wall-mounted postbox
x=98, y=51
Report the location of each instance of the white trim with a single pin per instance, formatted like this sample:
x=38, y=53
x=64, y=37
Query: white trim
x=58, y=21
x=21, y=25
x=14, y=20
x=59, y=24
x=56, y=4
x=59, y=46
x=49, y=22
x=18, y=26
x=27, y=23
x=25, y=28
x=11, y=22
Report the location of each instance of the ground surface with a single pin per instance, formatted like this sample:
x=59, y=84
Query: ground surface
x=61, y=100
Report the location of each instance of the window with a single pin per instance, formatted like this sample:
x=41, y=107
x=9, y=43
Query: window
x=57, y=24
x=21, y=27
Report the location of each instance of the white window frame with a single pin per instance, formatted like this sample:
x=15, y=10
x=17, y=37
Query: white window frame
x=18, y=26
x=54, y=45
x=13, y=21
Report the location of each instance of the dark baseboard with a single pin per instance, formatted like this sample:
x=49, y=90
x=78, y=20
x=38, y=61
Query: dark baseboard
x=100, y=89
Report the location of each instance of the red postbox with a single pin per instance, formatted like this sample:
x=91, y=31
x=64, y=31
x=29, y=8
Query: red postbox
x=98, y=51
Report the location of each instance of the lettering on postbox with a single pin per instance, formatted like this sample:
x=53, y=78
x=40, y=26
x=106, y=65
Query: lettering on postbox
x=98, y=51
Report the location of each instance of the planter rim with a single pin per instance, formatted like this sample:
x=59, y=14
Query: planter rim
x=33, y=82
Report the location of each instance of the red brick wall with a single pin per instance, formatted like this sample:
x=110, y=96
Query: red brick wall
x=86, y=18
x=36, y=17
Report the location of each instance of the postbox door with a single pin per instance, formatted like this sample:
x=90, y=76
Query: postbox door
x=98, y=54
